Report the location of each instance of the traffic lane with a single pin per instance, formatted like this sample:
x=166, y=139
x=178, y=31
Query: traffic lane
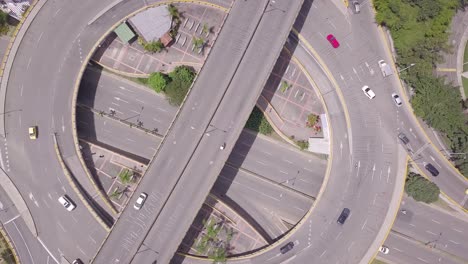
x=30, y=88
x=279, y=162
x=26, y=245
x=95, y=128
x=448, y=180
x=104, y=91
x=41, y=185
x=266, y=203
x=430, y=225
x=180, y=144
x=404, y=250
x=230, y=114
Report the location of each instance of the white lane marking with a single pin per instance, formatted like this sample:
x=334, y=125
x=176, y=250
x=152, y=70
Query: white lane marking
x=157, y=120
x=131, y=140
x=61, y=226
x=39, y=39
x=323, y=253
x=24, y=242
x=363, y=225
x=7, y=222
x=119, y=99
x=261, y=162
x=397, y=249
x=48, y=251
x=56, y=12
x=388, y=173
x=459, y=231
x=352, y=243
x=432, y=158
x=432, y=233
x=114, y=104
x=161, y=109
x=412, y=225
x=21, y=90
x=300, y=209
x=94, y=241
x=422, y=260
x=290, y=162
x=435, y=221
x=283, y=172
x=29, y=63
x=373, y=172
x=456, y=243
x=84, y=253
x=141, y=101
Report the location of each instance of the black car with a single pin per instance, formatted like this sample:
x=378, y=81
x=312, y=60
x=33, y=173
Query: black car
x=343, y=216
x=431, y=169
x=286, y=247
x=403, y=138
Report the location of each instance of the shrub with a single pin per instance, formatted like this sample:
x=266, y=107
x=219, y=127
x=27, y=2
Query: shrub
x=158, y=81
x=258, y=123
x=421, y=189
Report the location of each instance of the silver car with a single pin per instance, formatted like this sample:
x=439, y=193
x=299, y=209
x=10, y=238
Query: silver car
x=396, y=99
x=140, y=201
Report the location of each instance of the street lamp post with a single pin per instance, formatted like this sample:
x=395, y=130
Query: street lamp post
x=411, y=65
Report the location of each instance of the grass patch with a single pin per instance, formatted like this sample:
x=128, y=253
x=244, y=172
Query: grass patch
x=465, y=82
x=443, y=205
x=465, y=58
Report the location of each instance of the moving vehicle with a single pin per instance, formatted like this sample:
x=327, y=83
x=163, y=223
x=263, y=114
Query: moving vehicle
x=396, y=99
x=77, y=261
x=32, y=132
x=335, y=44
x=384, y=250
x=431, y=169
x=356, y=7
x=404, y=139
x=66, y=202
x=287, y=247
x=222, y=146
x=385, y=68
x=140, y=201
x=368, y=92
x=343, y=216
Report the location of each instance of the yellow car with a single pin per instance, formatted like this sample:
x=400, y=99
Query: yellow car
x=33, y=132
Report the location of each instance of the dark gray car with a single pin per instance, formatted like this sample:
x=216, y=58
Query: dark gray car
x=431, y=169
x=404, y=139
x=284, y=249
x=343, y=216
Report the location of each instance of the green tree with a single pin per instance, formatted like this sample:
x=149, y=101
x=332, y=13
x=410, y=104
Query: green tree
x=125, y=176
x=154, y=46
x=302, y=144
x=158, y=81
x=198, y=43
x=3, y=23
x=174, y=12
x=181, y=80
x=421, y=189
x=258, y=123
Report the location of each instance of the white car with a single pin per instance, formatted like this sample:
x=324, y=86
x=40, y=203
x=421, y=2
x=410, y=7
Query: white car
x=140, y=201
x=396, y=99
x=67, y=203
x=384, y=250
x=368, y=92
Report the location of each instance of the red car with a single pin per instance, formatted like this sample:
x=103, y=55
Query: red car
x=335, y=44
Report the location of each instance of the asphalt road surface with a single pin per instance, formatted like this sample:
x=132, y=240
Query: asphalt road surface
x=173, y=205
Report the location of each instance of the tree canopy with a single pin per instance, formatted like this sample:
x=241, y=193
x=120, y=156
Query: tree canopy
x=421, y=189
x=420, y=31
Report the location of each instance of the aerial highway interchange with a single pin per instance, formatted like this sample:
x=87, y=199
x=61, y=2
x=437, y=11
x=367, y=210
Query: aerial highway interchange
x=291, y=197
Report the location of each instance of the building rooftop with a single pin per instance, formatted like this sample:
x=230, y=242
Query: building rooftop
x=124, y=32
x=152, y=23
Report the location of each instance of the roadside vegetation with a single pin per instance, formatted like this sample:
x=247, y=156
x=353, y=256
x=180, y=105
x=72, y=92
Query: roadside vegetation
x=5, y=252
x=215, y=241
x=174, y=85
x=421, y=189
x=420, y=31
x=258, y=123
x=4, y=26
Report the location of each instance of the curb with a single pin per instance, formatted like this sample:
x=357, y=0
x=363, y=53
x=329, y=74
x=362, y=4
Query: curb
x=73, y=183
x=5, y=68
